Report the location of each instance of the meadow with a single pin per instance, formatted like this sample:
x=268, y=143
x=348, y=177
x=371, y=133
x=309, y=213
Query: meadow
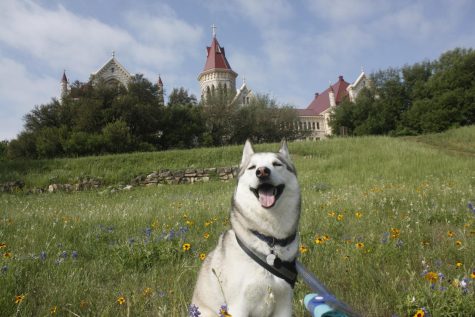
x=386, y=225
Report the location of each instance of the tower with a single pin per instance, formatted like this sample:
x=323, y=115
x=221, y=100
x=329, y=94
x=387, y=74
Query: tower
x=64, y=86
x=160, y=90
x=217, y=72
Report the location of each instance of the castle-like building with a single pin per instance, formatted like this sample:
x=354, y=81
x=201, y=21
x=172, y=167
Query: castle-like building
x=217, y=75
x=111, y=73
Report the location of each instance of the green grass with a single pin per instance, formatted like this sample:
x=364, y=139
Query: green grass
x=413, y=186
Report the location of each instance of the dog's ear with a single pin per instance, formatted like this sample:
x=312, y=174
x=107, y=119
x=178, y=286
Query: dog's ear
x=247, y=152
x=284, y=150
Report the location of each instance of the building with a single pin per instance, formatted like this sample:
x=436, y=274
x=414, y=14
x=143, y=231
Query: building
x=218, y=74
x=111, y=73
x=316, y=116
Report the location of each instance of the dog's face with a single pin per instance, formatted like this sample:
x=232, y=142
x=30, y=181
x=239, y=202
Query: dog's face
x=267, y=181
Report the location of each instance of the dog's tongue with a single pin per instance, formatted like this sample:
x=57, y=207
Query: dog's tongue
x=266, y=197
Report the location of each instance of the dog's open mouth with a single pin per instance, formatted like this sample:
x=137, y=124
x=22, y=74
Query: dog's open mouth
x=268, y=194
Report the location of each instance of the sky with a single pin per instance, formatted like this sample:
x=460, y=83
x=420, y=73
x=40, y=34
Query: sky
x=287, y=49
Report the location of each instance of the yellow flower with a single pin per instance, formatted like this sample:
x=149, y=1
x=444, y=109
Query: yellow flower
x=339, y=217
x=458, y=264
x=7, y=255
x=450, y=234
x=155, y=224
x=395, y=233
x=186, y=247
x=331, y=214
x=472, y=275
x=208, y=223
x=3, y=245
x=458, y=243
x=19, y=298
x=326, y=237
x=53, y=310
x=358, y=215
x=359, y=245
x=319, y=240
x=223, y=312
x=303, y=248
x=432, y=277
x=419, y=313
x=189, y=223
x=147, y=291
x=121, y=300
x=202, y=256
x=206, y=235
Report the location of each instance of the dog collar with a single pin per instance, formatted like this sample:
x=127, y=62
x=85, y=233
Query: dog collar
x=272, y=241
x=283, y=269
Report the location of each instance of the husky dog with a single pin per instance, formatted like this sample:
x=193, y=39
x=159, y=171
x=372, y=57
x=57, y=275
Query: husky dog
x=252, y=272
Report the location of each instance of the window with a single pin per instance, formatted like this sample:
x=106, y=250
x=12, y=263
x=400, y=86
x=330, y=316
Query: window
x=318, y=125
x=112, y=70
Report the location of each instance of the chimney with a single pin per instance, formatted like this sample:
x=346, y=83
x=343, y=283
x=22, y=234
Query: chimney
x=340, y=78
x=316, y=95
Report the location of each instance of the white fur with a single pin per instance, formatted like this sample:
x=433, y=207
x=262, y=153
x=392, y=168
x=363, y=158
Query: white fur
x=238, y=281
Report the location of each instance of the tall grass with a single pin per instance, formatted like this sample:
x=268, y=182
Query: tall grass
x=380, y=215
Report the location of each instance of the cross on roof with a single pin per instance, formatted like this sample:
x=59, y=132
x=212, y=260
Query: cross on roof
x=213, y=27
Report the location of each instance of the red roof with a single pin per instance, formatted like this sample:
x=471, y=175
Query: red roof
x=321, y=102
x=216, y=57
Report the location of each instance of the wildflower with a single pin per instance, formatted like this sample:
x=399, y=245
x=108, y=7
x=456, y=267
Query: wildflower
x=458, y=264
x=223, y=311
x=121, y=300
x=359, y=245
x=470, y=207
x=7, y=255
x=458, y=243
x=399, y=243
x=207, y=223
x=19, y=298
x=206, y=235
x=4, y=269
x=155, y=224
x=193, y=311
x=148, y=232
x=331, y=214
x=186, y=247
x=384, y=240
x=340, y=217
x=395, y=233
x=74, y=255
x=319, y=240
x=43, y=256
x=420, y=312
x=189, y=223
x=303, y=249
x=202, y=256
x=432, y=277
x=3, y=245
x=63, y=254
x=472, y=275
x=450, y=234
x=53, y=310
x=358, y=215
x=147, y=292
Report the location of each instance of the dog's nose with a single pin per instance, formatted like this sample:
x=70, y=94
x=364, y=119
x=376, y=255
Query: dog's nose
x=262, y=172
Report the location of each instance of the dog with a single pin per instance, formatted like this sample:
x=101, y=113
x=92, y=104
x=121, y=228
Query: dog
x=251, y=272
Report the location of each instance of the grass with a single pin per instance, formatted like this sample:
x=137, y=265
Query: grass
x=385, y=226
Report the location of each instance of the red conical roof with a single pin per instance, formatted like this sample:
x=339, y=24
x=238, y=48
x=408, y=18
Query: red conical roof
x=216, y=57
x=322, y=100
x=160, y=83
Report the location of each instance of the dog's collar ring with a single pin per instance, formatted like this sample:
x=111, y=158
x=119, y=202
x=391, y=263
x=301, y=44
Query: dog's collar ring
x=270, y=259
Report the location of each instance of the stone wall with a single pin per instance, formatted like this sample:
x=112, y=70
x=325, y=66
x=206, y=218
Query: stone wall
x=165, y=177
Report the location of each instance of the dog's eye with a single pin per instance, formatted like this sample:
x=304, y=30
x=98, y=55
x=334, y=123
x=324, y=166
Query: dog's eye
x=251, y=167
x=276, y=164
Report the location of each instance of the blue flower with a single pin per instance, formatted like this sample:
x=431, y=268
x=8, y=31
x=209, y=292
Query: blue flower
x=74, y=255
x=385, y=238
x=470, y=207
x=148, y=232
x=43, y=256
x=193, y=311
x=4, y=269
x=223, y=311
x=63, y=254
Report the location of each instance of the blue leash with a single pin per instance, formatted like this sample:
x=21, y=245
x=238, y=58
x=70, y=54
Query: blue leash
x=323, y=303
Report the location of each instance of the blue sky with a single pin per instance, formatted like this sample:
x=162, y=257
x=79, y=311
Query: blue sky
x=287, y=49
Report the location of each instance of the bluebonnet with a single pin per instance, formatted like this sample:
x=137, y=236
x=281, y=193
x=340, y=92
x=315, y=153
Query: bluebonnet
x=63, y=254
x=43, y=256
x=223, y=310
x=193, y=311
x=470, y=207
x=385, y=238
x=74, y=255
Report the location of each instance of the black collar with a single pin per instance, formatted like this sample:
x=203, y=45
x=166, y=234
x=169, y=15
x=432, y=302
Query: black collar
x=272, y=241
x=283, y=269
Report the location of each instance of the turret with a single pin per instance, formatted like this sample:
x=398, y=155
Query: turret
x=64, y=86
x=160, y=90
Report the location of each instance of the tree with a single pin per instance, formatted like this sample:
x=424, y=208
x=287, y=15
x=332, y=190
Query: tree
x=180, y=96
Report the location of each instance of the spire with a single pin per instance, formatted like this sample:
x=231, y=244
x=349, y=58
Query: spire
x=64, y=79
x=216, y=56
x=113, y=54
x=159, y=82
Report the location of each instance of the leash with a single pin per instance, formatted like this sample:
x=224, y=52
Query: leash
x=324, y=303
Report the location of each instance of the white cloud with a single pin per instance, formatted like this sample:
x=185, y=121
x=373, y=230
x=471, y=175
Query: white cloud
x=20, y=91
